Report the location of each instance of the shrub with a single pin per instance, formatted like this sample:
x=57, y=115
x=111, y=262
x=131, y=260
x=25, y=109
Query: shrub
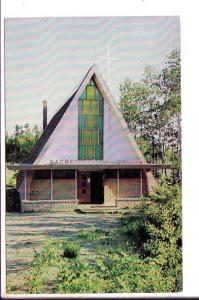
x=71, y=250
x=164, y=229
x=134, y=228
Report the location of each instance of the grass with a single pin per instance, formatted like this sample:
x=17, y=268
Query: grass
x=93, y=234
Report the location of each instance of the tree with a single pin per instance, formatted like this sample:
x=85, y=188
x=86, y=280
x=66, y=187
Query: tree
x=20, y=144
x=151, y=109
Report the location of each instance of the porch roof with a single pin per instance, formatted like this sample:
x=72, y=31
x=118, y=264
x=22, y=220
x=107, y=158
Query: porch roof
x=89, y=166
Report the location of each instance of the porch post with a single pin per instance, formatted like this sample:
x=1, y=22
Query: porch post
x=140, y=182
x=75, y=184
x=118, y=183
x=25, y=196
x=51, y=184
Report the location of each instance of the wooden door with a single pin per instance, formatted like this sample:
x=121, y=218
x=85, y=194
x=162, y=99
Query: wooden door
x=84, y=187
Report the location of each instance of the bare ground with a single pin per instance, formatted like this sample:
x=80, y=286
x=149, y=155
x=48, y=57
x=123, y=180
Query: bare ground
x=25, y=234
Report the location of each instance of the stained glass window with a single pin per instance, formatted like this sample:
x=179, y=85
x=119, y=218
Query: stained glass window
x=90, y=152
x=90, y=90
x=90, y=107
x=90, y=123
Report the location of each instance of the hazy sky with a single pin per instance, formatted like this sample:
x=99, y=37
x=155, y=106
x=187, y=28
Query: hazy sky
x=46, y=58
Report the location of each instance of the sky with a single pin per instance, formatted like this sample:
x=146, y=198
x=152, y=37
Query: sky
x=46, y=58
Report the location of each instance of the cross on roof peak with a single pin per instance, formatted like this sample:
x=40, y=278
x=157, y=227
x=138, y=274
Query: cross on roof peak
x=109, y=58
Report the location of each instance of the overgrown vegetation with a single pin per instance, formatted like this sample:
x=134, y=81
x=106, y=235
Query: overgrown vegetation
x=142, y=254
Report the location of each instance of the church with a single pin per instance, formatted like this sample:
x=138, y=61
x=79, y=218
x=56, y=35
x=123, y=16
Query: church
x=85, y=155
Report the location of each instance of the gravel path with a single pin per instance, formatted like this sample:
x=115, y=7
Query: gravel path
x=25, y=234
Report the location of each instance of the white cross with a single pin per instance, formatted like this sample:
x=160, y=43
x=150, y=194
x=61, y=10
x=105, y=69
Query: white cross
x=109, y=59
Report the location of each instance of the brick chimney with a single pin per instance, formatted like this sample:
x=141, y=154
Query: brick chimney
x=44, y=114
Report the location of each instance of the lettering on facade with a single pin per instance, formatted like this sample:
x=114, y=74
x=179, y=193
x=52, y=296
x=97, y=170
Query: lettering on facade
x=91, y=162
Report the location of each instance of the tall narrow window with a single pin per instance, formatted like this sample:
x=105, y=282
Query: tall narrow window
x=90, y=123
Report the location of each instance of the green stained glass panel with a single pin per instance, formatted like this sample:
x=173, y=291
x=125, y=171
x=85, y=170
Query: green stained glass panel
x=94, y=137
x=90, y=152
x=91, y=82
x=90, y=122
x=82, y=152
x=82, y=122
x=90, y=107
x=98, y=152
x=83, y=95
x=86, y=137
x=101, y=107
x=90, y=92
x=98, y=94
x=99, y=122
x=100, y=137
x=80, y=106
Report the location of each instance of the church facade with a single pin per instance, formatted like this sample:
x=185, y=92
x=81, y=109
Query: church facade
x=85, y=155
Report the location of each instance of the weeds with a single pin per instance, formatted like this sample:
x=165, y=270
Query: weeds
x=71, y=250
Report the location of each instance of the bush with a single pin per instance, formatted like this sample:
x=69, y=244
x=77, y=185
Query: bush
x=164, y=229
x=71, y=250
x=134, y=228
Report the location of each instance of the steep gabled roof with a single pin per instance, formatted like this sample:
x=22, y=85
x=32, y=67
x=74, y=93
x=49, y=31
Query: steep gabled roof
x=94, y=73
x=51, y=127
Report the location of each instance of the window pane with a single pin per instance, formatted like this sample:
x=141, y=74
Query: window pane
x=83, y=95
x=129, y=173
x=94, y=137
x=82, y=152
x=90, y=107
x=99, y=122
x=98, y=94
x=100, y=137
x=101, y=108
x=90, y=152
x=80, y=108
x=86, y=137
x=90, y=122
x=111, y=173
x=91, y=82
x=90, y=92
x=82, y=122
x=42, y=174
x=98, y=152
x=63, y=174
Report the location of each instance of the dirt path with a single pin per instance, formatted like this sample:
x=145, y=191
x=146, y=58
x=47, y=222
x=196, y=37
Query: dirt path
x=25, y=234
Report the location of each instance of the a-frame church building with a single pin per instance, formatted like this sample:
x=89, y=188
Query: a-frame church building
x=86, y=155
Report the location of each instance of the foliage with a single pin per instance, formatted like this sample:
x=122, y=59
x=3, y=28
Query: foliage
x=134, y=228
x=164, y=228
x=152, y=111
x=93, y=234
x=71, y=250
x=39, y=268
x=158, y=234
x=20, y=144
x=112, y=273
x=142, y=255
x=11, y=178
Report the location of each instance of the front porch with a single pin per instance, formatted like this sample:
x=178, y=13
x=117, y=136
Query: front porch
x=59, y=188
